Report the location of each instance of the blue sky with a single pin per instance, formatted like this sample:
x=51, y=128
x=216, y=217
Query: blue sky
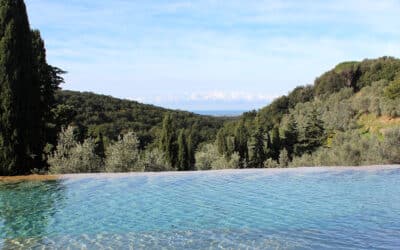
x=210, y=54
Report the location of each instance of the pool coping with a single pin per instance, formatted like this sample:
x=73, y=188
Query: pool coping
x=35, y=177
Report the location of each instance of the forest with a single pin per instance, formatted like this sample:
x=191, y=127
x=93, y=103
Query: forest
x=350, y=116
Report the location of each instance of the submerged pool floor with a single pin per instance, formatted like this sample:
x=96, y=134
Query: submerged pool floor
x=306, y=208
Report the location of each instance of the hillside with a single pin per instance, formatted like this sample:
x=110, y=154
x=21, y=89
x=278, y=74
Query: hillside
x=349, y=116
x=112, y=117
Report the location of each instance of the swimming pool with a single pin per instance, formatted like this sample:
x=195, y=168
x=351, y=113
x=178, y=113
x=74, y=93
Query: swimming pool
x=304, y=208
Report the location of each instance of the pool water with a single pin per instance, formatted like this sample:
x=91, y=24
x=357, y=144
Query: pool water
x=305, y=208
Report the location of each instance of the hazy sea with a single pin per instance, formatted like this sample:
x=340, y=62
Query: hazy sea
x=230, y=113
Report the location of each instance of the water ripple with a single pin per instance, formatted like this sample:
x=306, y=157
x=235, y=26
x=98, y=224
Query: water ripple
x=318, y=208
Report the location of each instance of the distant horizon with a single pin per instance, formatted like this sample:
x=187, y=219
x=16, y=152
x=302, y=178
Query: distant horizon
x=208, y=54
x=211, y=108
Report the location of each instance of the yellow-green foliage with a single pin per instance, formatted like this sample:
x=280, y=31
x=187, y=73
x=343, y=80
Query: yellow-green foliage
x=393, y=90
x=370, y=123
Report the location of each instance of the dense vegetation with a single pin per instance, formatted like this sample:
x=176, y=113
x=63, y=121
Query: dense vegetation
x=349, y=116
x=27, y=85
x=97, y=114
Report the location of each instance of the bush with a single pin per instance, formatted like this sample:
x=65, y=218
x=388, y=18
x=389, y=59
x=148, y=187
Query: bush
x=391, y=145
x=208, y=158
x=352, y=149
x=73, y=157
x=284, y=158
x=393, y=90
x=154, y=161
x=270, y=163
x=123, y=155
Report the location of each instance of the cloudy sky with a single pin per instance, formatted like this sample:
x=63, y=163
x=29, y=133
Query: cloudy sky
x=209, y=54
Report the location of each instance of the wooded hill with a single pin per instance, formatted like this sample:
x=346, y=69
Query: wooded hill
x=112, y=117
x=349, y=116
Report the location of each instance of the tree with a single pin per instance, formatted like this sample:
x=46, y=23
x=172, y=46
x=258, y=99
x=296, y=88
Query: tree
x=183, y=162
x=99, y=146
x=71, y=156
x=208, y=158
x=168, y=140
x=221, y=142
x=241, y=137
x=154, y=161
x=275, y=145
x=284, y=158
x=191, y=151
x=290, y=135
x=49, y=79
x=124, y=155
x=393, y=90
x=20, y=120
x=257, y=152
x=313, y=134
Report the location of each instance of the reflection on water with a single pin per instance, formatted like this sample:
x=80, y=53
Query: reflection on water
x=27, y=209
x=252, y=209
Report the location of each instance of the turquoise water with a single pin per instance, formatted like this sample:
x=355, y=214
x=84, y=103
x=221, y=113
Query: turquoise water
x=317, y=208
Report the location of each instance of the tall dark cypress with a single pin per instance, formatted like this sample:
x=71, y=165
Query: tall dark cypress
x=19, y=92
x=191, y=150
x=290, y=135
x=276, y=143
x=49, y=79
x=183, y=162
x=241, y=146
x=257, y=152
x=168, y=140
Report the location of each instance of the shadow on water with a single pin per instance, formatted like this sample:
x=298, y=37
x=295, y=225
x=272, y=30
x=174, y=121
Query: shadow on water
x=27, y=209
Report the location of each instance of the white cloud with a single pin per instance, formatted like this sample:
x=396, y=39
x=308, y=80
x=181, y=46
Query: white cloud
x=180, y=51
x=212, y=100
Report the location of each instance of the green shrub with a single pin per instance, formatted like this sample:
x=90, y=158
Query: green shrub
x=123, y=155
x=73, y=157
x=270, y=163
x=393, y=90
x=154, y=161
x=208, y=158
x=284, y=158
x=391, y=145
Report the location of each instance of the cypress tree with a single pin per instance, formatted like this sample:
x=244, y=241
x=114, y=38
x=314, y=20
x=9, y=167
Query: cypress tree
x=241, y=146
x=183, y=153
x=191, y=151
x=168, y=140
x=290, y=135
x=257, y=153
x=313, y=135
x=221, y=142
x=99, y=146
x=20, y=128
x=49, y=78
x=275, y=145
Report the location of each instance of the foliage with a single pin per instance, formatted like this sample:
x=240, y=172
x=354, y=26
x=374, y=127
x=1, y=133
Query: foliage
x=284, y=158
x=393, y=90
x=20, y=122
x=256, y=147
x=154, y=161
x=168, y=140
x=74, y=157
x=391, y=145
x=241, y=146
x=348, y=117
x=123, y=155
x=183, y=162
x=208, y=158
x=113, y=117
x=340, y=120
x=270, y=163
